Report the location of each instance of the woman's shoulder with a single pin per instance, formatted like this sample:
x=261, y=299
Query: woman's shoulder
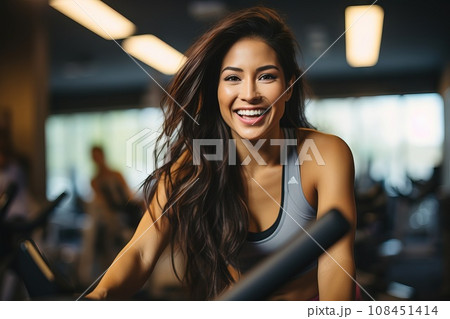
x=321, y=138
x=327, y=146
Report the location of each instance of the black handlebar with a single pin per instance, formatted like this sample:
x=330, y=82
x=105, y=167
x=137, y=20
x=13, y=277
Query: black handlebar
x=279, y=268
x=39, y=220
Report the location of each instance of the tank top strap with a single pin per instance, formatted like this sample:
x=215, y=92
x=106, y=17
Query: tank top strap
x=289, y=134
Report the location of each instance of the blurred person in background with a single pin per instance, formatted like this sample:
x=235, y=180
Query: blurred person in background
x=113, y=214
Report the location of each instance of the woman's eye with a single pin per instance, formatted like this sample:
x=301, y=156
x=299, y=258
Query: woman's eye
x=232, y=78
x=267, y=76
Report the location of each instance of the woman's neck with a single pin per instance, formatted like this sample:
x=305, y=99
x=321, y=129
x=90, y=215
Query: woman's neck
x=255, y=154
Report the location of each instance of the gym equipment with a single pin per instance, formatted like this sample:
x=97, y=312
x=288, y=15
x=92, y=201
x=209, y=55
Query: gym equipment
x=279, y=268
x=39, y=220
x=41, y=281
x=39, y=278
x=20, y=254
x=12, y=231
x=6, y=199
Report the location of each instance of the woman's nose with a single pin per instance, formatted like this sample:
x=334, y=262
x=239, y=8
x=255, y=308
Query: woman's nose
x=249, y=91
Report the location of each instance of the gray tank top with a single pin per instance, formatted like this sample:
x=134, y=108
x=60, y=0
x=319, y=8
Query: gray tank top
x=295, y=211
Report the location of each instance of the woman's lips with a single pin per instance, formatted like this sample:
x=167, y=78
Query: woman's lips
x=251, y=120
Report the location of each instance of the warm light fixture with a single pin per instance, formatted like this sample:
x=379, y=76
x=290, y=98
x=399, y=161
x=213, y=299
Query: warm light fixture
x=97, y=17
x=364, y=25
x=154, y=52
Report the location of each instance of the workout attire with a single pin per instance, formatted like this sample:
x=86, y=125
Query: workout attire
x=295, y=211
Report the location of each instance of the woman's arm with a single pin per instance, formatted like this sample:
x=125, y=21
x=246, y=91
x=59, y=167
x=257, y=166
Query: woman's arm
x=335, y=189
x=133, y=265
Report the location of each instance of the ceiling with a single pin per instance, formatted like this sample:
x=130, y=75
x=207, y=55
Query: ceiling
x=88, y=71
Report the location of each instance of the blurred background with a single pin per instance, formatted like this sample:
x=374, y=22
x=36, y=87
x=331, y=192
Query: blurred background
x=79, y=112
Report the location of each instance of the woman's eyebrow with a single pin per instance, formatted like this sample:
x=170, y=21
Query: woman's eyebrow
x=232, y=68
x=267, y=67
x=259, y=69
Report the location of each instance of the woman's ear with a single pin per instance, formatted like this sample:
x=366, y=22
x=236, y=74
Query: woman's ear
x=289, y=88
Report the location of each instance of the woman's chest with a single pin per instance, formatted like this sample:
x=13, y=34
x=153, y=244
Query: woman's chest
x=264, y=198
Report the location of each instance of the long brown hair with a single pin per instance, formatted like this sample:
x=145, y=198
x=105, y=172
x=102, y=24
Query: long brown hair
x=206, y=205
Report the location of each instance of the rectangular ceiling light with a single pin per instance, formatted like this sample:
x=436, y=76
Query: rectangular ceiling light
x=97, y=17
x=364, y=25
x=154, y=52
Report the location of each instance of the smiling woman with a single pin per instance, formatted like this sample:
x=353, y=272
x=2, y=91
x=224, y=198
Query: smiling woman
x=240, y=84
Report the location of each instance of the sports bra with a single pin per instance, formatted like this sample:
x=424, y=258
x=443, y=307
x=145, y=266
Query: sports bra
x=295, y=211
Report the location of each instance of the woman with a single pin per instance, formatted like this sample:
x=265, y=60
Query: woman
x=241, y=86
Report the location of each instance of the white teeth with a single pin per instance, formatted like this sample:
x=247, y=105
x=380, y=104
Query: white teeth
x=251, y=112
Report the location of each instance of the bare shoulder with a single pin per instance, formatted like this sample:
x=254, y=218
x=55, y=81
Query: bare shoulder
x=331, y=148
x=325, y=159
x=117, y=174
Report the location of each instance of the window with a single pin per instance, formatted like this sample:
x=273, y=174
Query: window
x=391, y=137
x=70, y=138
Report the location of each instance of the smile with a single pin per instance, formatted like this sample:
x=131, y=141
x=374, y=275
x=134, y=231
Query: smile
x=251, y=117
x=251, y=113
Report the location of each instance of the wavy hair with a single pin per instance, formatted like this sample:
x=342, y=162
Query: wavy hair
x=206, y=203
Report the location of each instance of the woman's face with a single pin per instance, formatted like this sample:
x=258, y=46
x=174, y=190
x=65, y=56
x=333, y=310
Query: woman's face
x=250, y=90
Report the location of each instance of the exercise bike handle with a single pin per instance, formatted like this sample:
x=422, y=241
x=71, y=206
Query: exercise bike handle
x=279, y=268
x=40, y=219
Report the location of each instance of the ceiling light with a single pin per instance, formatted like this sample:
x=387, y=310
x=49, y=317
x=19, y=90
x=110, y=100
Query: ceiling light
x=154, y=52
x=207, y=10
x=364, y=25
x=97, y=17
